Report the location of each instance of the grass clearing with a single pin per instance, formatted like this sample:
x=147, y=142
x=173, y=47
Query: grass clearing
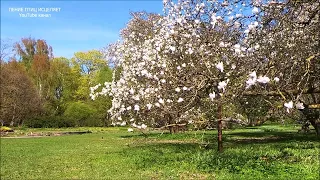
x=265, y=152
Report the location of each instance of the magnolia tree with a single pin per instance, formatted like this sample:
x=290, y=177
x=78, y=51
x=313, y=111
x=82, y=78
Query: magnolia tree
x=200, y=54
x=185, y=59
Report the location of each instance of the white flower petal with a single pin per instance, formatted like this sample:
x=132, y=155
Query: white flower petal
x=289, y=105
x=299, y=106
x=136, y=107
x=123, y=123
x=143, y=126
x=263, y=79
x=220, y=66
x=255, y=10
x=212, y=95
x=180, y=100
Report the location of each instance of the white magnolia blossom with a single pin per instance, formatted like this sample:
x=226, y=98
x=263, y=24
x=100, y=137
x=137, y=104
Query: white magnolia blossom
x=222, y=85
x=288, y=105
x=136, y=107
x=123, y=123
x=263, y=79
x=237, y=48
x=93, y=97
x=255, y=10
x=220, y=66
x=161, y=101
x=143, y=126
x=212, y=95
x=149, y=106
x=299, y=105
x=250, y=82
x=253, y=74
x=237, y=25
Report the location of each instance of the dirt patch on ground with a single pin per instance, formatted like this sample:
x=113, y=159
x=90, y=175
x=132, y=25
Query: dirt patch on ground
x=20, y=137
x=41, y=134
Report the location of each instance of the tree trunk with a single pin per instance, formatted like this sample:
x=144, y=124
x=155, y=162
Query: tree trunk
x=105, y=118
x=171, y=129
x=170, y=121
x=313, y=116
x=40, y=88
x=12, y=121
x=316, y=125
x=220, y=147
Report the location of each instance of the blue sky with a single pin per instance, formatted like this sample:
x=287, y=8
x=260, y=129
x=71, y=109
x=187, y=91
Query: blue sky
x=79, y=26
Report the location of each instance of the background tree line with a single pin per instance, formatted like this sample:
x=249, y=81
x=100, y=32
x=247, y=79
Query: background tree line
x=40, y=90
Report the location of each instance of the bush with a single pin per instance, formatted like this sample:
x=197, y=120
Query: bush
x=36, y=122
x=82, y=114
x=5, y=129
x=76, y=114
x=49, y=122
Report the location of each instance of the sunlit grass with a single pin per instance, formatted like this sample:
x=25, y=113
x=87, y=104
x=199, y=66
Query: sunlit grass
x=266, y=152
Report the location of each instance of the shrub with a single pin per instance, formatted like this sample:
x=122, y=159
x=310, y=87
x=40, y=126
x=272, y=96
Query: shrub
x=5, y=129
x=49, y=122
x=82, y=114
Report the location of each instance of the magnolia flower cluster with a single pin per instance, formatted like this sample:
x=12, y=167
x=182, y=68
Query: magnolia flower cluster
x=253, y=79
x=104, y=90
x=290, y=105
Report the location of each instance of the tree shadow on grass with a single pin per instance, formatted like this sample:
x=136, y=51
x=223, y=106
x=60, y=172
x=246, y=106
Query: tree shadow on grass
x=144, y=135
x=280, y=157
x=281, y=139
x=276, y=154
x=269, y=137
x=161, y=154
x=158, y=135
x=209, y=140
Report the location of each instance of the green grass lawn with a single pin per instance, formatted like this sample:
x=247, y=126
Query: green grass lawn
x=266, y=152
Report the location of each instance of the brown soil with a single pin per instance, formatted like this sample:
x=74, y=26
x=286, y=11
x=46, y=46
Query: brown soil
x=42, y=134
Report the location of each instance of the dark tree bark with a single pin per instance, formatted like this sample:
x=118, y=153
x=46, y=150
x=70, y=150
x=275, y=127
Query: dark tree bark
x=316, y=125
x=220, y=147
x=313, y=116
